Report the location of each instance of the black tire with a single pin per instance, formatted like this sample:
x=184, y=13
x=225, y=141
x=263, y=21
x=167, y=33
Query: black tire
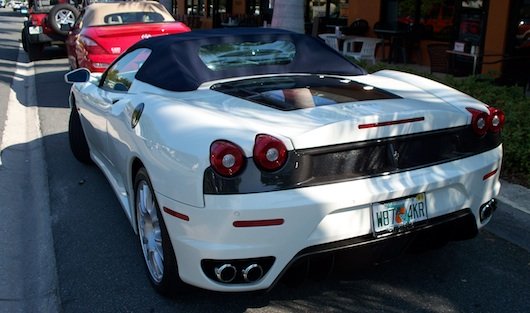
x=168, y=282
x=62, y=14
x=77, y=138
x=34, y=50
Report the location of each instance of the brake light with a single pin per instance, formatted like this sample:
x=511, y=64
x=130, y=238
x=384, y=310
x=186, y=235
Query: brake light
x=483, y=122
x=91, y=46
x=270, y=153
x=479, y=121
x=495, y=120
x=226, y=158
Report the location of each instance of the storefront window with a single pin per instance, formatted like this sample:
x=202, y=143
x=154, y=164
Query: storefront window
x=475, y=4
x=434, y=18
x=253, y=7
x=195, y=7
x=326, y=8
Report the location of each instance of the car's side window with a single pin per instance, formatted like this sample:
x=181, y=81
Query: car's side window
x=120, y=76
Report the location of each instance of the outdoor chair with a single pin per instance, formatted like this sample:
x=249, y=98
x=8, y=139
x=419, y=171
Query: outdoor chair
x=331, y=40
x=367, y=49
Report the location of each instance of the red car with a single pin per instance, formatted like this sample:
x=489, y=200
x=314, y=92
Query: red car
x=105, y=30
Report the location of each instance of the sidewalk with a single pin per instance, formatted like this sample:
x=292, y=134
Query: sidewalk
x=511, y=221
x=28, y=279
x=515, y=196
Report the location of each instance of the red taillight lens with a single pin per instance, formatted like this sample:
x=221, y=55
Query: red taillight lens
x=479, y=121
x=270, y=153
x=226, y=158
x=495, y=120
x=483, y=122
x=91, y=46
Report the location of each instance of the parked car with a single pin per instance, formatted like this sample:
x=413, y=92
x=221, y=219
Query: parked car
x=233, y=167
x=105, y=30
x=16, y=5
x=48, y=23
x=2, y=3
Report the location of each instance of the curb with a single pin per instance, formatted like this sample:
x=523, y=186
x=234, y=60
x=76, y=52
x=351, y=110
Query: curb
x=516, y=196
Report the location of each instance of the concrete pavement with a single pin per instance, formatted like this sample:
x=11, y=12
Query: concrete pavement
x=28, y=279
x=516, y=196
x=511, y=221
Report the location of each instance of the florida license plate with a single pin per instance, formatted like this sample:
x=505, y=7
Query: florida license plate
x=395, y=215
x=35, y=30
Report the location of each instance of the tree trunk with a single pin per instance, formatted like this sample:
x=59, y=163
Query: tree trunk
x=289, y=15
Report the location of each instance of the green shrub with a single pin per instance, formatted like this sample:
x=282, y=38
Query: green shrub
x=510, y=99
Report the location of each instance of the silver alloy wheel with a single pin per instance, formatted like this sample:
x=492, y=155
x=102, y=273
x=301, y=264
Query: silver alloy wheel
x=65, y=16
x=149, y=231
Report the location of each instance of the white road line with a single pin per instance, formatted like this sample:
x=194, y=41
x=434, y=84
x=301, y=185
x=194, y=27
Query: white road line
x=22, y=120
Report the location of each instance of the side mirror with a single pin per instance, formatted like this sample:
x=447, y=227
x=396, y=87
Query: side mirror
x=80, y=75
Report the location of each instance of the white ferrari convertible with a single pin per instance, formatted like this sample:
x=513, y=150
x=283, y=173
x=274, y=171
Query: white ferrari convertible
x=237, y=153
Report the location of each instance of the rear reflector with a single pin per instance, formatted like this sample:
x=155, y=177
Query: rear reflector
x=389, y=123
x=490, y=174
x=183, y=217
x=259, y=223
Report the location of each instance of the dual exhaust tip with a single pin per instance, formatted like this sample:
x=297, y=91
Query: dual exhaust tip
x=487, y=209
x=227, y=272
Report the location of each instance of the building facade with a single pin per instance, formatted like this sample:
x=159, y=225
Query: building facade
x=498, y=31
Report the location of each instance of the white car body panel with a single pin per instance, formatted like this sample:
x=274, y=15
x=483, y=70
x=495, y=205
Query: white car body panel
x=316, y=215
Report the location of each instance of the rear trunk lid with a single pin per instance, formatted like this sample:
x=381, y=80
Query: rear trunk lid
x=115, y=39
x=315, y=111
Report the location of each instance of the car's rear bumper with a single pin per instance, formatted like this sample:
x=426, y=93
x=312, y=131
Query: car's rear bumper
x=322, y=218
x=39, y=37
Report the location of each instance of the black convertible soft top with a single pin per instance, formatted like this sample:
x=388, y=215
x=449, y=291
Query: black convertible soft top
x=174, y=63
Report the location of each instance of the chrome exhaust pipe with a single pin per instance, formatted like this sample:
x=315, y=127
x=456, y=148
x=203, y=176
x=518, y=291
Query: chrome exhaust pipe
x=226, y=273
x=252, y=273
x=487, y=209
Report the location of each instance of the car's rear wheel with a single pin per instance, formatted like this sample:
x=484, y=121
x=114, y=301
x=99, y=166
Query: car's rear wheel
x=156, y=246
x=77, y=139
x=62, y=18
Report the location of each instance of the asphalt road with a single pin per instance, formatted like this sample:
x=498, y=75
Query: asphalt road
x=98, y=267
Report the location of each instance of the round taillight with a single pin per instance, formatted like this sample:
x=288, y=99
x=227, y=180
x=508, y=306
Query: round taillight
x=479, y=121
x=226, y=158
x=270, y=153
x=495, y=120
